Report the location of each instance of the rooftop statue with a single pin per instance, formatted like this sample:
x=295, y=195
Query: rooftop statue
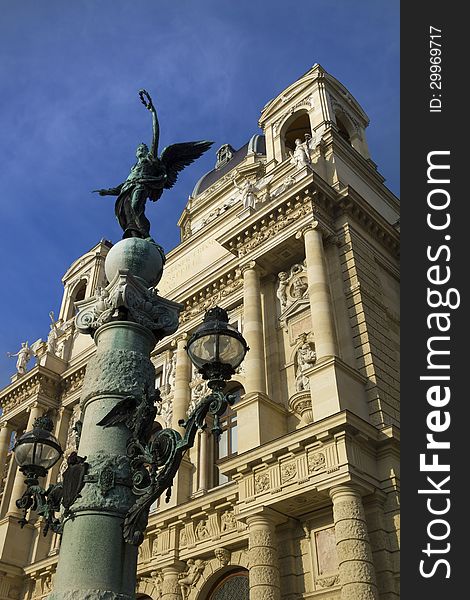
x=150, y=176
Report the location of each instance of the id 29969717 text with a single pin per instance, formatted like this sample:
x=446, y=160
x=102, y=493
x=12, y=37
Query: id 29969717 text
x=435, y=69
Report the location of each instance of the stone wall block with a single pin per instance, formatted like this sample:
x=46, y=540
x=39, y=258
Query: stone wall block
x=260, y=537
x=348, y=509
x=358, y=571
x=358, y=591
x=264, y=575
x=351, y=530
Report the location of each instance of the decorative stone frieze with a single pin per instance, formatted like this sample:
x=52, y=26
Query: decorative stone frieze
x=270, y=226
x=212, y=295
x=72, y=383
x=30, y=386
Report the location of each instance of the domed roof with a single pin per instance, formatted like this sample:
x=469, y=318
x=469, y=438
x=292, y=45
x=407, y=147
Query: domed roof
x=256, y=145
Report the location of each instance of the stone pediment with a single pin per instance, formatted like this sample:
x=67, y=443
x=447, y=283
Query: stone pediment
x=293, y=311
x=80, y=265
x=87, y=261
x=299, y=91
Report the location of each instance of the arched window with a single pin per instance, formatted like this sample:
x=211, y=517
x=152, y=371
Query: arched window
x=228, y=442
x=234, y=586
x=77, y=295
x=342, y=130
x=296, y=129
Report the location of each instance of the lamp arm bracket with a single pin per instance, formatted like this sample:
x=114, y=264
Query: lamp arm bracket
x=155, y=464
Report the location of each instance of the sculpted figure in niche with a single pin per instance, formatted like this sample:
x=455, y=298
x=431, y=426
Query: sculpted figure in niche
x=191, y=576
x=228, y=521
x=201, y=530
x=306, y=357
x=282, y=289
x=300, y=157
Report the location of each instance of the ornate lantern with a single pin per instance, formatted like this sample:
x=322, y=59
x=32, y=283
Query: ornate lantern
x=216, y=348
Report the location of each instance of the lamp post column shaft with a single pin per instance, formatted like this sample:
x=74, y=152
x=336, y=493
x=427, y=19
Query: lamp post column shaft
x=203, y=461
x=94, y=559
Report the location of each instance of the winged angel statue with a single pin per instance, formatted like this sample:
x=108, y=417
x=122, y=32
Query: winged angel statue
x=150, y=176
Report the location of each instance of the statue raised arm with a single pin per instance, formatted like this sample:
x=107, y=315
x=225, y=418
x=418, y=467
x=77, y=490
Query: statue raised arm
x=147, y=102
x=149, y=176
x=24, y=355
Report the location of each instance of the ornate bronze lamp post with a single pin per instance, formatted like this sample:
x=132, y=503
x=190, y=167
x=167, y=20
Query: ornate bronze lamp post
x=123, y=462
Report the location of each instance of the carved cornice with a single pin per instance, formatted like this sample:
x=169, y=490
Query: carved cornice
x=72, y=382
x=38, y=382
x=352, y=204
x=212, y=294
x=269, y=224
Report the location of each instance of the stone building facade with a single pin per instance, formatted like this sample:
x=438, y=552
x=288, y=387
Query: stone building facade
x=295, y=234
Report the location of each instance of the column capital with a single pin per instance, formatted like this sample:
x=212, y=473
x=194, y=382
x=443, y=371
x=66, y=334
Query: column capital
x=262, y=516
x=344, y=490
x=178, y=341
x=312, y=226
x=34, y=405
x=176, y=566
x=249, y=266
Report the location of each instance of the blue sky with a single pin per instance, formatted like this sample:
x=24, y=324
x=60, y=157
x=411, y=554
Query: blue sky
x=70, y=117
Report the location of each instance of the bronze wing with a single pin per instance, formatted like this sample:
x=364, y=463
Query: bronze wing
x=178, y=156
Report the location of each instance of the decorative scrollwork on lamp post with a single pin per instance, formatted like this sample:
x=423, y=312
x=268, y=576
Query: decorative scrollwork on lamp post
x=216, y=349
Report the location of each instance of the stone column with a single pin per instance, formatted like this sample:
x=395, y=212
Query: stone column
x=62, y=421
x=319, y=294
x=181, y=489
x=253, y=330
x=263, y=559
x=171, y=590
x=256, y=408
x=356, y=570
x=203, y=461
x=19, y=487
x=5, y=436
x=181, y=392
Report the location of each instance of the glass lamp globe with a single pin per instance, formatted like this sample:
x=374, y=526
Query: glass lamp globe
x=37, y=450
x=216, y=348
